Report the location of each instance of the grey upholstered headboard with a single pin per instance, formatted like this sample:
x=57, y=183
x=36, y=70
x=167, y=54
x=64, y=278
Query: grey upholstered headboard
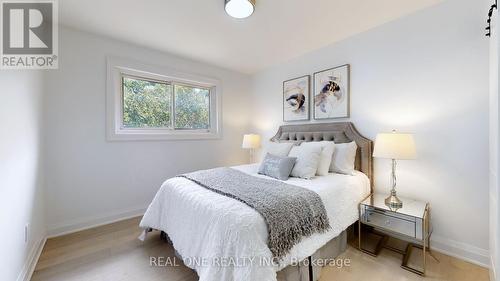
x=340, y=132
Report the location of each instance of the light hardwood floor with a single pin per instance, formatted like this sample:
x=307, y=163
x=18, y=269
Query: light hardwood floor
x=113, y=253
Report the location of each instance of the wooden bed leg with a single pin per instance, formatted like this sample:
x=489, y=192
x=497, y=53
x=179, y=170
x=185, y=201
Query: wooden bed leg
x=310, y=269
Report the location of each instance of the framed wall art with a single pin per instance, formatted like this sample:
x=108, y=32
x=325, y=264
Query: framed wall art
x=296, y=99
x=331, y=93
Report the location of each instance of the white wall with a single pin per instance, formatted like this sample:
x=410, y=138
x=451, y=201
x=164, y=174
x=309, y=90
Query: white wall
x=427, y=74
x=90, y=180
x=494, y=152
x=21, y=183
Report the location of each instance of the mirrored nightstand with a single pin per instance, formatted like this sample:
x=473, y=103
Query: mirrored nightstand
x=410, y=223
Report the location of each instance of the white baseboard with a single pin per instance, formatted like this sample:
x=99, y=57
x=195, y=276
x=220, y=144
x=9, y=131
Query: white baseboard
x=29, y=266
x=70, y=227
x=90, y=222
x=493, y=276
x=461, y=251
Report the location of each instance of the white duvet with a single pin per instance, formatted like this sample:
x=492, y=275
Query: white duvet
x=225, y=240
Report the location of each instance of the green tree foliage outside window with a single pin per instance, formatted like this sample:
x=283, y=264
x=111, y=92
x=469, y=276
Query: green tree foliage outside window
x=148, y=104
x=191, y=107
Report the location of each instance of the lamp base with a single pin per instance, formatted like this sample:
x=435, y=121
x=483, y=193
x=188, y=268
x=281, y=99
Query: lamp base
x=393, y=201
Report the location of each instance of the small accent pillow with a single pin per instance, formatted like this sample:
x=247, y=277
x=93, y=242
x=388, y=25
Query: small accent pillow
x=326, y=155
x=277, y=167
x=343, y=158
x=307, y=160
x=279, y=148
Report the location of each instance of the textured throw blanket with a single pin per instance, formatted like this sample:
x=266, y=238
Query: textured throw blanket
x=290, y=212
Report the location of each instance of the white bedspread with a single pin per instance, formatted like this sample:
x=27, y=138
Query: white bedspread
x=225, y=240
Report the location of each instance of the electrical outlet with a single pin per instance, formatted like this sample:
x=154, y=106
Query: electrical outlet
x=26, y=232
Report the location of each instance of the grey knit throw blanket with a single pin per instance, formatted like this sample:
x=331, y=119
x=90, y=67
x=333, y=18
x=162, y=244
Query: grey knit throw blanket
x=291, y=212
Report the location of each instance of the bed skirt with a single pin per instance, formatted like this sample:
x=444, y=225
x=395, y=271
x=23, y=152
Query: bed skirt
x=329, y=251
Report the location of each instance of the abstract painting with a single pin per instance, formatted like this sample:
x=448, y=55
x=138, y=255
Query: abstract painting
x=296, y=99
x=331, y=93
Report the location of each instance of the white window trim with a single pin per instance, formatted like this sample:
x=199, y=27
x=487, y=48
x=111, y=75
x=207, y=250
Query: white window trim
x=116, y=67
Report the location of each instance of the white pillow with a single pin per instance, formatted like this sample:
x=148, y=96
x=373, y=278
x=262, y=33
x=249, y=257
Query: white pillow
x=325, y=159
x=343, y=158
x=280, y=149
x=307, y=160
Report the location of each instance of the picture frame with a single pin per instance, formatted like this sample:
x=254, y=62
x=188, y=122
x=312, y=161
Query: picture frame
x=331, y=96
x=296, y=100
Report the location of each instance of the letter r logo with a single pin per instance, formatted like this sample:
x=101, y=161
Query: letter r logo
x=27, y=27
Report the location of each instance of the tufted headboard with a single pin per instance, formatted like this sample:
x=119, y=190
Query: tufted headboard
x=340, y=132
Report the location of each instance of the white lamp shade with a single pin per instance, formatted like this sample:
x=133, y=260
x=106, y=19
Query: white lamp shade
x=395, y=146
x=239, y=9
x=251, y=141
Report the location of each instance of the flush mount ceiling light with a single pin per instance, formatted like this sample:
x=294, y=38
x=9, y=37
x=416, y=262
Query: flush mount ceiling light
x=239, y=9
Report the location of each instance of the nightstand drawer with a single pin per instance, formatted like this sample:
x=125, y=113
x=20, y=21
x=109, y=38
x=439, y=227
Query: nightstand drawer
x=391, y=221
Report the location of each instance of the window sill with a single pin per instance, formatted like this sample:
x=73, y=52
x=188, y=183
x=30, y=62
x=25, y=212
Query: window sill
x=161, y=136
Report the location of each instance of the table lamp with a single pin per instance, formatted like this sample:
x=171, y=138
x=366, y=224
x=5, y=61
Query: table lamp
x=394, y=146
x=252, y=142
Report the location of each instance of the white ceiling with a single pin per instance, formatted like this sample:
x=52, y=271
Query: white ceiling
x=278, y=31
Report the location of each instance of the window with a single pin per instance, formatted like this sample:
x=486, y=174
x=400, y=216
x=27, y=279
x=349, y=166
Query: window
x=146, y=103
x=191, y=107
x=161, y=104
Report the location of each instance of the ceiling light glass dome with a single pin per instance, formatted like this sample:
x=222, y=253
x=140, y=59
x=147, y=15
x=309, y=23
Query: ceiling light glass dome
x=240, y=9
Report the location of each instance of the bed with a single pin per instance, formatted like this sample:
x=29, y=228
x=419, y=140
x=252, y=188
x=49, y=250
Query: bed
x=224, y=239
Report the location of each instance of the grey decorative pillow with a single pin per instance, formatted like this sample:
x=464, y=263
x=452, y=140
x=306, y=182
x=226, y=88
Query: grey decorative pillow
x=277, y=167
